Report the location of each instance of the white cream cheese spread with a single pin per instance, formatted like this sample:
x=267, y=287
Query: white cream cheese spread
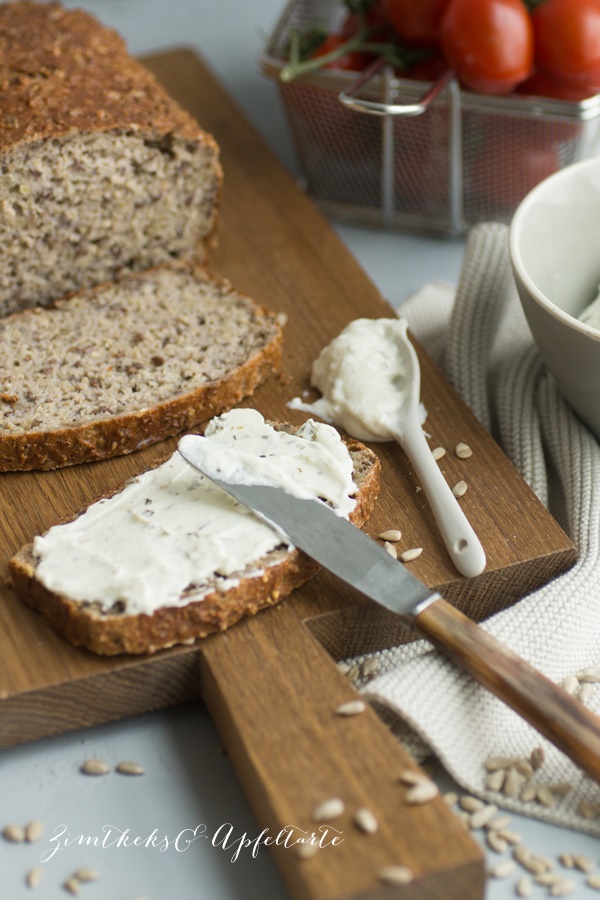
x=363, y=379
x=171, y=536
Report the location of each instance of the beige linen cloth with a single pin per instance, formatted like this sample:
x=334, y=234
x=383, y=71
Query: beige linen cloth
x=480, y=337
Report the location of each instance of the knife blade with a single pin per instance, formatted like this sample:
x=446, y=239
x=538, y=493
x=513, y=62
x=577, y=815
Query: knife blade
x=347, y=552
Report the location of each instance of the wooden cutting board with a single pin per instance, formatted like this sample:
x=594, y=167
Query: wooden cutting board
x=270, y=685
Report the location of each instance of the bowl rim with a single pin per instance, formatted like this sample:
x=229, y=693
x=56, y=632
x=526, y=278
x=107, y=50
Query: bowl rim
x=515, y=230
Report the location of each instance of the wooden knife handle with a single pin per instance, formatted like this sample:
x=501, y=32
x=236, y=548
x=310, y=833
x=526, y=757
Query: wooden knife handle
x=557, y=715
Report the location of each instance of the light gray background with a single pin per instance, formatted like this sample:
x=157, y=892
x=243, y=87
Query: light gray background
x=188, y=780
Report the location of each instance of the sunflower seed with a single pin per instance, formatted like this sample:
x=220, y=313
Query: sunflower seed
x=583, y=863
x=524, y=887
x=408, y=776
x=306, y=850
x=544, y=795
x=392, y=534
x=522, y=854
x=546, y=862
x=493, y=763
x=503, y=869
x=528, y=793
x=353, y=673
x=588, y=810
x=329, y=809
x=365, y=820
x=547, y=879
x=536, y=758
x=570, y=684
x=585, y=692
x=591, y=675
x=395, y=875
x=460, y=488
x=438, y=452
x=566, y=860
x=511, y=837
x=563, y=889
x=389, y=548
x=351, y=708
x=72, y=886
x=129, y=768
x=422, y=792
x=480, y=818
x=524, y=768
x=370, y=667
x=34, y=877
x=409, y=555
x=495, y=842
x=594, y=882
x=451, y=798
x=33, y=831
x=343, y=667
x=498, y=823
x=471, y=804
x=463, y=451
x=463, y=817
x=95, y=767
x=534, y=864
x=86, y=875
x=561, y=788
x=512, y=783
x=495, y=780
x=13, y=833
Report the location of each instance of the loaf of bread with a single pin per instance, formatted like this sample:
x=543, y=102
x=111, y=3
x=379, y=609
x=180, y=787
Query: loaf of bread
x=124, y=365
x=101, y=172
x=120, y=577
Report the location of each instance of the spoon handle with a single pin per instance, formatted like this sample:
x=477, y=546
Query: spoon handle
x=462, y=543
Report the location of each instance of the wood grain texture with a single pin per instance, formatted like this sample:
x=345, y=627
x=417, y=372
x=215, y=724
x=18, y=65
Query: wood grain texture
x=275, y=246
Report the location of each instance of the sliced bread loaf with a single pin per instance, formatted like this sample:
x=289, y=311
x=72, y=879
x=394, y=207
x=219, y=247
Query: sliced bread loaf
x=170, y=558
x=126, y=364
x=101, y=171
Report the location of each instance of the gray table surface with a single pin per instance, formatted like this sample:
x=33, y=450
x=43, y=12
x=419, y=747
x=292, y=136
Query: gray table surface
x=189, y=798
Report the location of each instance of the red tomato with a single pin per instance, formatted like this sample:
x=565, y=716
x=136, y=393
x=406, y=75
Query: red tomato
x=488, y=43
x=355, y=61
x=416, y=21
x=541, y=85
x=567, y=42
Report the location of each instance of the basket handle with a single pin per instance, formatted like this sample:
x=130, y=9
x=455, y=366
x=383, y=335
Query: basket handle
x=374, y=108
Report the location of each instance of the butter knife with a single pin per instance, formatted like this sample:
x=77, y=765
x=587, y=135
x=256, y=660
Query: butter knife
x=352, y=556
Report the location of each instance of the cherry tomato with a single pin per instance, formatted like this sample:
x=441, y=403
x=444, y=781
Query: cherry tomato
x=354, y=61
x=541, y=85
x=417, y=21
x=488, y=43
x=567, y=42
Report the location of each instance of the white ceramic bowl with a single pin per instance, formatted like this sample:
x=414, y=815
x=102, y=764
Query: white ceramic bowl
x=555, y=254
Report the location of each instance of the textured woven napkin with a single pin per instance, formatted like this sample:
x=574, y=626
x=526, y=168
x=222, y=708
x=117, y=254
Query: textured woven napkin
x=480, y=337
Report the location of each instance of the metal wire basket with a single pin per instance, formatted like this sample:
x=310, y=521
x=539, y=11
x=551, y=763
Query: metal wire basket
x=404, y=154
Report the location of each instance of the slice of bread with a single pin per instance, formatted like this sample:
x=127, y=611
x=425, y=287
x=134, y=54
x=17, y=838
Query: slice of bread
x=213, y=604
x=125, y=365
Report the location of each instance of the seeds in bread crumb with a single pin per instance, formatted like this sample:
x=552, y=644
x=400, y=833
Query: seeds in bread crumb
x=438, y=452
x=409, y=555
x=536, y=758
x=351, y=708
x=33, y=831
x=95, y=767
x=460, y=488
x=392, y=534
x=34, y=877
x=503, y=869
x=13, y=833
x=366, y=821
x=395, y=875
x=463, y=451
x=329, y=809
x=127, y=767
x=389, y=548
x=524, y=887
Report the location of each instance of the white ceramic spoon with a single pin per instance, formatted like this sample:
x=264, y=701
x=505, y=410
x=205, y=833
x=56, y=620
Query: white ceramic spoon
x=462, y=543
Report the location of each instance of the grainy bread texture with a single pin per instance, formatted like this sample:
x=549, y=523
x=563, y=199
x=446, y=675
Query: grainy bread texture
x=262, y=584
x=127, y=364
x=101, y=172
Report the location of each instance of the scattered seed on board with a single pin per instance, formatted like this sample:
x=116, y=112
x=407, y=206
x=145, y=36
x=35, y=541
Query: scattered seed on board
x=563, y=889
x=463, y=451
x=366, y=821
x=129, y=768
x=585, y=692
x=438, y=452
x=566, y=860
x=369, y=668
x=33, y=831
x=545, y=796
x=460, y=488
x=571, y=684
x=344, y=667
x=410, y=777
x=422, y=792
x=13, y=833
x=329, y=809
x=536, y=758
x=390, y=548
x=511, y=837
x=495, y=780
x=498, y=823
x=548, y=879
x=503, y=869
x=522, y=854
x=451, y=798
x=591, y=675
x=86, y=875
x=524, y=887
x=583, y=863
x=470, y=804
x=392, y=534
x=72, y=886
x=594, y=882
x=351, y=708
x=409, y=555
x=495, y=842
x=480, y=818
x=306, y=851
x=353, y=673
x=95, y=767
x=395, y=875
x=34, y=877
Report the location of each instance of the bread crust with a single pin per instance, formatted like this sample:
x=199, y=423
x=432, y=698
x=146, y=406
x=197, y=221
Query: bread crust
x=108, y=634
x=105, y=438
